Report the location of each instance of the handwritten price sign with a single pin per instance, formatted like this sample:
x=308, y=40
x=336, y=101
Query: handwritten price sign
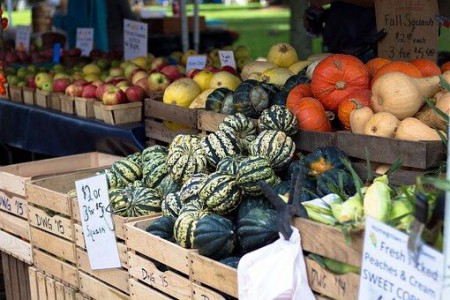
x=98, y=228
x=85, y=40
x=196, y=62
x=135, y=39
x=227, y=59
x=23, y=35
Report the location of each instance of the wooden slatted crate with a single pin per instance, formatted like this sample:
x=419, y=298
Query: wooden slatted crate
x=14, y=208
x=156, y=112
x=29, y=96
x=97, y=289
x=68, y=104
x=15, y=276
x=43, y=287
x=122, y=113
x=55, y=100
x=42, y=99
x=162, y=265
x=16, y=94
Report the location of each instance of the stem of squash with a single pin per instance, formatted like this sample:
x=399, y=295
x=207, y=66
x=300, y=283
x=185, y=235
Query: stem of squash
x=330, y=115
x=340, y=85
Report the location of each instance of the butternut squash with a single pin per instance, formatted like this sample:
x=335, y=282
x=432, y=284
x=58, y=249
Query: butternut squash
x=430, y=117
x=412, y=129
x=382, y=124
x=402, y=95
x=359, y=118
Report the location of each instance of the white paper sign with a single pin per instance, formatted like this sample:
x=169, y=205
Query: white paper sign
x=23, y=35
x=98, y=228
x=387, y=272
x=135, y=40
x=85, y=40
x=227, y=58
x=196, y=62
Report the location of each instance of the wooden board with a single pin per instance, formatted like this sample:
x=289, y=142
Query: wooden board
x=68, y=104
x=339, y=287
x=208, y=120
x=115, y=277
x=84, y=107
x=55, y=101
x=122, y=113
x=157, y=131
x=403, y=176
x=200, y=292
x=13, y=205
x=311, y=140
x=214, y=274
x=168, y=282
x=55, y=224
x=15, y=92
x=53, y=244
x=16, y=247
x=139, y=291
x=15, y=225
x=13, y=177
x=42, y=99
x=420, y=155
x=28, y=96
x=329, y=241
x=53, y=266
x=98, y=290
x=168, y=112
x=32, y=271
x=156, y=248
x=42, y=289
x=50, y=287
x=16, y=278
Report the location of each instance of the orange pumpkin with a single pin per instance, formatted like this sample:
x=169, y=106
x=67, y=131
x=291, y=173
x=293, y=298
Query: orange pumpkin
x=426, y=66
x=336, y=77
x=375, y=64
x=398, y=66
x=445, y=67
x=356, y=100
x=311, y=115
x=298, y=92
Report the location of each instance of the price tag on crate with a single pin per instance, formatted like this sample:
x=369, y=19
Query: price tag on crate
x=98, y=228
x=195, y=62
x=85, y=40
x=135, y=39
x=387, y=272
x=227, y=59
x=23, y=35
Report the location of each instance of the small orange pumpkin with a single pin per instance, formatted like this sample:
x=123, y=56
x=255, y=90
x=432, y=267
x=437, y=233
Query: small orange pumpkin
x=311, y=115
x=398, y=66
x=297, y=93
x=375, y=64
x=356, y=100
x=445, y=67
x=336, y=77
x=426, y=66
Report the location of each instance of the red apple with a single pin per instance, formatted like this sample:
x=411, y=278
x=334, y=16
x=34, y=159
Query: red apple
x=212, y=69
x=74, y=90
x=229, y=69
x=81, y=82
x=158, y=63
x=113, y=95
x=116, y=80
x=192, y=72
x=172, y=72
x=157, y=81
x=138, y=75
x=135, y=94
x=32, y=83
x=89, y=91
x=60, y=85
x=101, y=90
x=137, y=70
x=143, y=84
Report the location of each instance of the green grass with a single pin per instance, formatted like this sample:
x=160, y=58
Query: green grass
x=258, y=27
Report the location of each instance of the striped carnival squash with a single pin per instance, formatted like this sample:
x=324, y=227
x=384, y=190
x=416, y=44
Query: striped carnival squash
x=230, y=164
x=171, y=205
x=127, y=171
x=220, y=144
x=186, y=157
x=278, y=118
x=153, y=152
x=136, y=158
x=257, y=229
x=243, y=128
x=250, y=98
x=195, y=205
x=167, y=186
x=251, y=170
x=138, y=183
x=189, y=190
x=111, y=178
x=221, y=193
x=214, y=237
x=118, y=199
x=184, y=228
x=162, y=227
x=135, y=201
x=274, y=145
x=154, y=171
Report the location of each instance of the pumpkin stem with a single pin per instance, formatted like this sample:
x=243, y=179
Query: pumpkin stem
x=330, y=115
x=340, y=85
x=358, y=104
x=283, y=48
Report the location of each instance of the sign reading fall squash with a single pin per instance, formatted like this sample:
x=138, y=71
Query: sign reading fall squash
x=412, y=30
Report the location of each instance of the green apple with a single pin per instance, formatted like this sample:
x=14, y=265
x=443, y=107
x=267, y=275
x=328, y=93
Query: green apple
x=91, y=69
x=58, y=68
x=32, y=68
x=115, y=63
x=22, y=72
x=42, y=78
x=12, y=79
x=129, y=69
x=22, y=84
x=102, y=63
x=61, y=75
x=47, y=86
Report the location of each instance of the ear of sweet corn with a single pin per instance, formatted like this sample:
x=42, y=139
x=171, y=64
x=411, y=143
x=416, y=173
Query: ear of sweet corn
x=377, y=199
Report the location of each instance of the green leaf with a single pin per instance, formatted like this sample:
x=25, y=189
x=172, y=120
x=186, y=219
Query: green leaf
x=394, y=167
x=356, y=179
x=444, y=84
x=368, y=164
x=439, y=183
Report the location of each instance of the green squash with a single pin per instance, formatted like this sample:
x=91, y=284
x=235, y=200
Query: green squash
x=242, y=127
x=167, y=186
x=331, y=177
x=278, y=118
x=189, y=190
x=295, y=80
x=135, y=157
x=153, y=152
x=279, y=99
x=270, y=88
x=214, y=237
x=154, y=172
x=171, y=205
x=221, y=193
x=323, y=159
x=250, y=98
x=250, y=202
x=276, y=146
x=251, y=170
x=184, y=228
x=214, y=101
x=162, y=227
x=230, y=165
x=220, y=144
x=127, y=171
x=228, y=105
x=257, y=229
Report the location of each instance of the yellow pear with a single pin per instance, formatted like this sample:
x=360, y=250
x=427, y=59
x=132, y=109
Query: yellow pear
x=282, y=55
x=203, y=79
x=181, y=92
x=224, y=79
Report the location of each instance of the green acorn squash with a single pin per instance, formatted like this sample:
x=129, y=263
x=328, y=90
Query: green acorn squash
x=331, y=177
x=242, y=127
x=214, y=101
x=257, y=229
x=162, y=227
x=250, y=98
x=323, y=159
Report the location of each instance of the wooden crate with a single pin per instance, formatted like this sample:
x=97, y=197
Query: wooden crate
x=15, y=276
x=98, y=290
x=55, y=101
x=310, y=140
x=42, y=99
x=29, y=96
x=51, y=265
x=43, y=287
x=15, y=92
x=156, y=112
x=122, y=113
x=84, y=107
x=156, y=95
x=140, y=291
x=208, y=121
x=99, y=107
x=7, y=96
x=68, y=104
